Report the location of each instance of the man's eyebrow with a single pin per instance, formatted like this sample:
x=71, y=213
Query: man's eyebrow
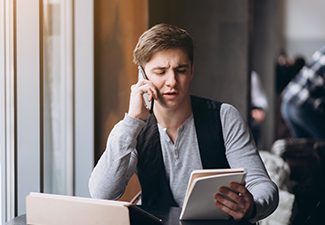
x=159, y=68
x=183, y=65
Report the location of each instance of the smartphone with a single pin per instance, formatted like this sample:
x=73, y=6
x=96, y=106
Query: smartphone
x=142, y=75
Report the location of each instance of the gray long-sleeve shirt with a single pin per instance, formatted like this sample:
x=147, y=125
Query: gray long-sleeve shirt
x=118, y=163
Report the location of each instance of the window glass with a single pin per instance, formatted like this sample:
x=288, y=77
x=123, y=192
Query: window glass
x=58, y=104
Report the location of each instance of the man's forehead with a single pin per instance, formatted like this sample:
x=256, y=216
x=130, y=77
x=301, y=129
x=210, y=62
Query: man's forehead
x=170, y=57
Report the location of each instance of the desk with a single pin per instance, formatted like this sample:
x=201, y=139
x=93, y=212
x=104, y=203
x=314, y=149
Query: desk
x=169, y=218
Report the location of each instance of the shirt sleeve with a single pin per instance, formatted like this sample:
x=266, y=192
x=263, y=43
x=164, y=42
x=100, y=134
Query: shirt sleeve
x=118, y=162
x=241, y=152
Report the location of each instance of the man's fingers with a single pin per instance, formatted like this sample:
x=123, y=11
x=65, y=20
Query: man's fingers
x=240, y=188
x=235, y=200
x=231, y=194
x=146, y=86
x=237, y=213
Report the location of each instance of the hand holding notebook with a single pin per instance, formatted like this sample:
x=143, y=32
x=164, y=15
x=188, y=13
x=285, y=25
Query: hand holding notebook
x=199, y=201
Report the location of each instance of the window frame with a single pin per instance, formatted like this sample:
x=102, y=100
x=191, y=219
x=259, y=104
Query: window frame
x=7, y=110
x=21, y=106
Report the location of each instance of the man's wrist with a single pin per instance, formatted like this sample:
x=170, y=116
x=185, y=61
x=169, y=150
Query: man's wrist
x=252, y=212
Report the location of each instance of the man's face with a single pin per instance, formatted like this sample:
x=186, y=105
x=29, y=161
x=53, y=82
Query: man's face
x=171, y=72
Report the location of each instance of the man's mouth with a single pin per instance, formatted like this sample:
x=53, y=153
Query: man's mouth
x=170, y=93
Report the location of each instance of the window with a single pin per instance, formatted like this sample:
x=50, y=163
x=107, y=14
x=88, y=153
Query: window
x=58, y=96
x=46, y=100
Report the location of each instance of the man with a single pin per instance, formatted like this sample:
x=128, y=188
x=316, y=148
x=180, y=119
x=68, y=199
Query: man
x=182, y=134
x=303, y=100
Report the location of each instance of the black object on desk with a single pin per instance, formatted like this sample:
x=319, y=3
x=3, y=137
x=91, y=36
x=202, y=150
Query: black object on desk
x=169, y=217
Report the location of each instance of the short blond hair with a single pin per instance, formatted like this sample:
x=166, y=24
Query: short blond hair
x=161, y=37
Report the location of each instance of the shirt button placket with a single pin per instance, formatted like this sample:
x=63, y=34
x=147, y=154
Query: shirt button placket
x=176, y=152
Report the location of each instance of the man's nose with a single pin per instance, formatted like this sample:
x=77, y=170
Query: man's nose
x=171, y=78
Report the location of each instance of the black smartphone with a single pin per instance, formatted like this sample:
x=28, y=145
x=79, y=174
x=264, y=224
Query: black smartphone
x=142, y=75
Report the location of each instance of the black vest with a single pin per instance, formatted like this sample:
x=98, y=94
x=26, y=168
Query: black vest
x=156, y=192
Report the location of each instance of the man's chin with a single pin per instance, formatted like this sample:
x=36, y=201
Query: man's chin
x=173, y=105
x=169, y=104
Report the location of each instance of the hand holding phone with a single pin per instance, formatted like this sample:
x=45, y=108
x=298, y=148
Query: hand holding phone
x=142, y=75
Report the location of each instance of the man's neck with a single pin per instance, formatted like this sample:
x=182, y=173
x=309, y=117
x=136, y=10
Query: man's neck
x=173, y=119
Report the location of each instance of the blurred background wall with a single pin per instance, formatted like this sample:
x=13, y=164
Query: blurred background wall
x=304, y=26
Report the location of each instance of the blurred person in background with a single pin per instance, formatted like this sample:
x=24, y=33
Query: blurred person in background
x=303, y=100
x=285, y=70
